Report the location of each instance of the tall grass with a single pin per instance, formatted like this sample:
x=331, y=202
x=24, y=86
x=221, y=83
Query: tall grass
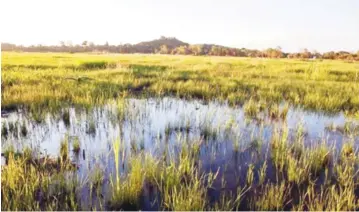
x=93, y=81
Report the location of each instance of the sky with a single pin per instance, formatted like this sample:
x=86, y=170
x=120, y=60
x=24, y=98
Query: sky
x=321, y=25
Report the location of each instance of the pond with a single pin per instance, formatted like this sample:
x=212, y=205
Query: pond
x=229, y=140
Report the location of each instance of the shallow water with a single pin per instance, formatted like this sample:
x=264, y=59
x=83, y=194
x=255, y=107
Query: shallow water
x=158, y=125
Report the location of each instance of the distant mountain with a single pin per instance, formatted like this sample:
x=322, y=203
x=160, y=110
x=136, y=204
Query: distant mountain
x=170, y=42
x=154, y=45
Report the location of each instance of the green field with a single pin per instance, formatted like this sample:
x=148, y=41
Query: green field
x=87, y=79
x=183, y=125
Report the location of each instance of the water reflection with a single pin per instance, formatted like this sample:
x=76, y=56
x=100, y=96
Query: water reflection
x=229, y=142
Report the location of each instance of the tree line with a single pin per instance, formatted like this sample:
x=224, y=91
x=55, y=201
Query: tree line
x=173, y=46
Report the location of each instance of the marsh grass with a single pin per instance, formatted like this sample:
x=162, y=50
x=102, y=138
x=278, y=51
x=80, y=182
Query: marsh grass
x=347, y=150
x=127, y=191
x=293, y=176
x=183, y=186
x=251, y=109
x=275, y=112
x=96, y=79
x=231, y=201
x=76, y=145
x=64, y=149
x=31, y=184
x=93, y=65
x=273, y=197
x=121, y=108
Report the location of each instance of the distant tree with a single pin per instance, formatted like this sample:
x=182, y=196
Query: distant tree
x=224, y=51
x=196, y=49
x=8, y=47
x=171, y=45
x=278, y=52
x=349, y=57
x=306, y=54
x=273, y=53
x=329, y=55
x=290, y=56
x=163, y=50
x=182, y=50
x=214, y=50
x=316, y=54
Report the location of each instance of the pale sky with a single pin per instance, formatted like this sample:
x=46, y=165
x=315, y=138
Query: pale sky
x=321, y=25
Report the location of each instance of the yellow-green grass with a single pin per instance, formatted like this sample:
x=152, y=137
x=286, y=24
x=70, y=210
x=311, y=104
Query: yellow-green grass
x=183, y=186
x=52, y=80
x=43, y=82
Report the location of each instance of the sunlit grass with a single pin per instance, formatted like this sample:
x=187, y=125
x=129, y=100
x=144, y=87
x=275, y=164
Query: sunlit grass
x=85, y=80
x=306, y=177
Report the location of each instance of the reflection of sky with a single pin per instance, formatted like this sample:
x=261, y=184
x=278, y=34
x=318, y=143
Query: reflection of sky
x=146, y=123
x=147, y=120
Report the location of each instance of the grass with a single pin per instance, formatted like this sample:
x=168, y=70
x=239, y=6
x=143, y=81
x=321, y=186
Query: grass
x=190, y=173
x=126, y=192
x=64, y=149
x=28, y=184
x=275, y=112
x=76, y=145
x=251, y=109
x=182, y=185
x=87, y=80
x=274, y=197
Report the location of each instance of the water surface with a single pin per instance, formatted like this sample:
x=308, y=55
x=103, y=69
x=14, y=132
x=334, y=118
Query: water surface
x=158, y=125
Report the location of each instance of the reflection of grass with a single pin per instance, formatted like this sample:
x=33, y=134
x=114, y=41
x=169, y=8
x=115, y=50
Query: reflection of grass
x=23, y=129
x=91, y=127
x=66, y=117
x=4, y=131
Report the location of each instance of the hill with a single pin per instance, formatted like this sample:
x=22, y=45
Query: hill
x=155, y=45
